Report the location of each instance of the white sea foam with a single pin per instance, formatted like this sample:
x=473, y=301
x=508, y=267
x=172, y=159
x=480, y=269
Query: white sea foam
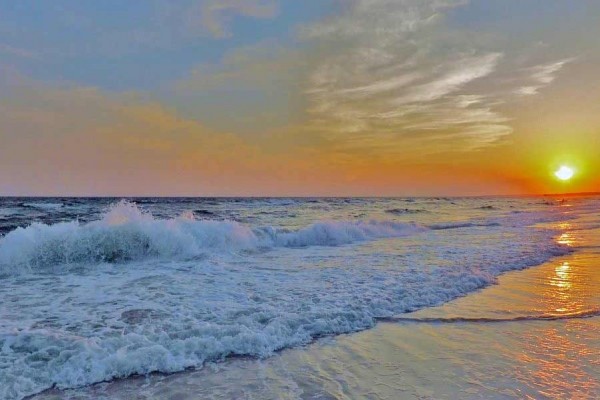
x=463, y=224
x=185, y=291
x=126, y=233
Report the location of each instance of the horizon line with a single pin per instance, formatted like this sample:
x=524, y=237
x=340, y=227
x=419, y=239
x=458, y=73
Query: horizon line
x=588, y=193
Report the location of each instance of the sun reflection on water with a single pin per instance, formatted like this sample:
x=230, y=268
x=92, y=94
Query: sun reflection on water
x=560, y=297
x=553, y=351
x=566, y=239
x=552, y=360
x=562, y=277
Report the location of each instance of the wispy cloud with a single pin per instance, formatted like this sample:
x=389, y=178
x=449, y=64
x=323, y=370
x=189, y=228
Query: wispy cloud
x=15, y=51
x=541, y=76
x=384, y=18
x=215, y=15
x=387, y=78
x=462, y=72
x=390, y=73
x=261, y=63
x=86, y=29
x=78, y=141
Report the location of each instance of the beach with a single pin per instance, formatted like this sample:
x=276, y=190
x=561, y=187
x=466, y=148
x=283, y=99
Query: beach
x=484, y=359
x=534, y=359
x=535, y=333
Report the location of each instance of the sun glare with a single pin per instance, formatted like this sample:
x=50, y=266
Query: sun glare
x=564, y=173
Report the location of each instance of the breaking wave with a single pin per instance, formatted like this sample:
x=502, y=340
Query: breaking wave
x=126, y=233
x=458, y=225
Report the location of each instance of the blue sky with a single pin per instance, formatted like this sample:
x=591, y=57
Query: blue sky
x=105, y=43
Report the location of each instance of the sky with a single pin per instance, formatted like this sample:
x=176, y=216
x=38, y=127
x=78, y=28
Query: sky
x=298, y=98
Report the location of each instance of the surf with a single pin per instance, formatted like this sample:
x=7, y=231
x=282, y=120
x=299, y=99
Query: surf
x=126, y=233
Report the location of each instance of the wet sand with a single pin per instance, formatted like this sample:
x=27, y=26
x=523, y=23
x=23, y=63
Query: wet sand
x=503, y=347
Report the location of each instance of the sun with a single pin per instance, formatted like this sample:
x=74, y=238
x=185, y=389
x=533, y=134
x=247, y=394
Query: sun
x=564, y=173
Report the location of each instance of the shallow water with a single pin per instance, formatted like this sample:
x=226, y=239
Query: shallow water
x=488, y=345
x=121, y=292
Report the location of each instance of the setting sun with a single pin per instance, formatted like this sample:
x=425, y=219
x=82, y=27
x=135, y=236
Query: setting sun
x=564, y=173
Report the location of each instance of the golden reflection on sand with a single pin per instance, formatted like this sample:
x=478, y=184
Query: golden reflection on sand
x=552, y=355
x=552, y=360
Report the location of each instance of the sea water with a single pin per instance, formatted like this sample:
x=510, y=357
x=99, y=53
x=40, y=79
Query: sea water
x=99, y=289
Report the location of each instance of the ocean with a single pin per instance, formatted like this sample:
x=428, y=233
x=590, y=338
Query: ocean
x=99, y=289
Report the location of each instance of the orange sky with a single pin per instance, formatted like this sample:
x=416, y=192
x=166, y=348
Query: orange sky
x=374, y=97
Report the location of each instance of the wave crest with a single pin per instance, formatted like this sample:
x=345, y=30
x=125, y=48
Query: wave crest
x=127, y=233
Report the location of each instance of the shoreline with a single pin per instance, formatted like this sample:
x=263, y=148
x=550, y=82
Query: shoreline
x=560, y=287
x=536, y=297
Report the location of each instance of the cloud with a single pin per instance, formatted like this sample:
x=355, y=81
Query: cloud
x=386, y=76
x=69, y=32
x=390, y=75
x=261, y=63
x=463, y=72
x=83, y=141
x=216, y=15
x=541, y=76
x=366, y=99
x=249, y=90
x=18, y=52
x=384, y=18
